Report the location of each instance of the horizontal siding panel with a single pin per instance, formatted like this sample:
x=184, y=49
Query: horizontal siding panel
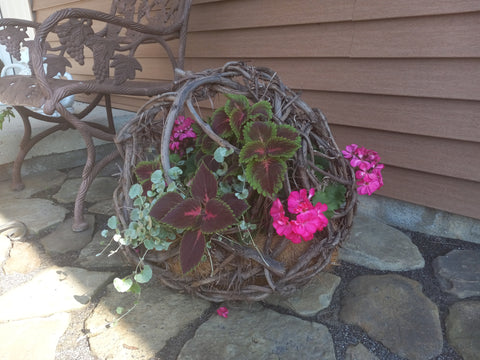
x=256, y=14
x=45, y=4
x=44, y=12
x=452, y=119
x=439, y=192
x=440, y=36
x=437, y=78
x=453, y=36
x=432, y=155
x=377, y=9
x=319, y=40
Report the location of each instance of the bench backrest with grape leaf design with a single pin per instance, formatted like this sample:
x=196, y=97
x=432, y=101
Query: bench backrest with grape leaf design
x=106, y=45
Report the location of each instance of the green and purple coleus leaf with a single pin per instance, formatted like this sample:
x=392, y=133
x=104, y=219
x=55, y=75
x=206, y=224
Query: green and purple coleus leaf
x=143, y=172
x=266, y=175
x=220, y=123
x=191, y=249
x=261, y=110
x=265, y=154
x=203, y=213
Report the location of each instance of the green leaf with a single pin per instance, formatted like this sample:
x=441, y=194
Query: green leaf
x=104, y=233
x=135, y=289
x=144, y=276
x=175, y=172
x=157, y=177
x=221, y=153
x=135, y=191
x=122, y=285
x=112, y=222
x=149, y=244
x=119, y=310
x=333, y=195
x=135, y=215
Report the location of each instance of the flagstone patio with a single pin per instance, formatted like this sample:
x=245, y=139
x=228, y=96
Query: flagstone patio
x=394, y=295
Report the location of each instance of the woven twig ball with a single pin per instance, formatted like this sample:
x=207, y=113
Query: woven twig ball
x=273, y=264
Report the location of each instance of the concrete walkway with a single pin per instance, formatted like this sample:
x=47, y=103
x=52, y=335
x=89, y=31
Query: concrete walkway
x=393, y=295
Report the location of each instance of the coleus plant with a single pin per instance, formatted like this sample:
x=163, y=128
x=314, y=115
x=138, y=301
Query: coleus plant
x=202, y=214
x=265, y=146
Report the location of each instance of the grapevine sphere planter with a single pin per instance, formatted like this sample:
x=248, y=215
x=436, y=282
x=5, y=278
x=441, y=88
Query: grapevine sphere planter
x=269, y=263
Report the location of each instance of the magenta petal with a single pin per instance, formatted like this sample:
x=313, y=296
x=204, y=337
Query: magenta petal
x=223, y=311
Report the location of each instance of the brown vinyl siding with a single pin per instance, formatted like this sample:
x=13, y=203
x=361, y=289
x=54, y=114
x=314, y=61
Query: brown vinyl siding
x=401, y=77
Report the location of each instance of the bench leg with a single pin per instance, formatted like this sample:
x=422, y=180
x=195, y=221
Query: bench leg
x=25, y=146
x=28, y=142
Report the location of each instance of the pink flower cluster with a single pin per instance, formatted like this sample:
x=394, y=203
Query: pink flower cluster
x=182, y=131
x=367, y=168
x=308, y=221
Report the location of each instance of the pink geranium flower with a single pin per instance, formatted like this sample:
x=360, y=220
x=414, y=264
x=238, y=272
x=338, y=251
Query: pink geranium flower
x=182, y=132
x=367, y=168
x=308, y=221
x=298, y=201
x=223, y=312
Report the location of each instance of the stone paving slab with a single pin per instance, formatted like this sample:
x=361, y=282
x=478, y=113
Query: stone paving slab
x=36, y=214
x=55, y=289
x=24, y=258
x=463, y=328
x=378, y=246
x=458, y=272
x=159, y=315
x=35, y=338
x=104, y=207
x=96, y=255
x=63, y=239
x=393, y=310
x=5, y=246
x=101, y=189
x=33, y=184
x=261, y=334
x=359, y=352
x=312, y=298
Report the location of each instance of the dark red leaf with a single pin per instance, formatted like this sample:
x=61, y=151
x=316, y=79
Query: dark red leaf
x=266, y=175
x=253, y=150
x=236, y=101
x=191, y=250
x=220, y=123
x=217, y=216
x=208, y=145
x=259, y=131
x=280, y=147
x=261, y=111
x=145, y=169
x=166, y=203
x=186, y=215
x=237, y=205
x=204, y=184
x=211, y=163
x=146, y=186
x=237, y=119
x=288, y=132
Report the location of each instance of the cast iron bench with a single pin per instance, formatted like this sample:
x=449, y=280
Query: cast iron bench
x=112, y=40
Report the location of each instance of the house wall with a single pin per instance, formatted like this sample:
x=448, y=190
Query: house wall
x=400, y=77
